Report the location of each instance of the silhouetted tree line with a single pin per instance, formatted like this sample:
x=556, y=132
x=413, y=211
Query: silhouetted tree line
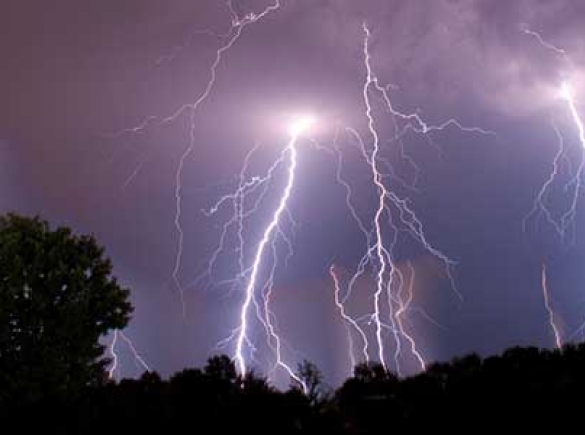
x=57, y=297
x=523, y=386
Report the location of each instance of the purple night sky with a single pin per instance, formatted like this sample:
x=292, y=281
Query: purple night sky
x=74, y=73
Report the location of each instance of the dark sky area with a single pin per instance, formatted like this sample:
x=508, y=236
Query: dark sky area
x=75, y=72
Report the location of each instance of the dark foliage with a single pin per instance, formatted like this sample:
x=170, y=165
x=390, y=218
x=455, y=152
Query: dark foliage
x=525, y=387
x=57, y=298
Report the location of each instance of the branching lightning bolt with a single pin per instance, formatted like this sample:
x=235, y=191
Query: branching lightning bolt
x=567, y=219
x=566, y=93
x=246, y=200
x=238, y=25
x=256, y=278
x=242, y=337
x=392, y=215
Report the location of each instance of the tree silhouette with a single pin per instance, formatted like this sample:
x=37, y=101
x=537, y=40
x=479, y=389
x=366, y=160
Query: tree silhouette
x=57, y=298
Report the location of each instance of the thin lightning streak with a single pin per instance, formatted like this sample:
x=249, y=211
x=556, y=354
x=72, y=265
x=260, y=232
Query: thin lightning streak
x=246, y=188
x=271, y=327
x=114, y=355
x=189, y=40
x=547, y=305
x=543, y=42
x=349, y=321
x=135, y=353
x=134, y=173
x=415, y=122
x=395, y=280
x=403, y=307
x=540, y=200
x=265, y=314
x=377, y=179
x=268, y=319
x=348, y=195
x=367, y=258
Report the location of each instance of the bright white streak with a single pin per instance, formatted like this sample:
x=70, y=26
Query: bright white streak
x=266, y=237
x=377, y=178
x=567, y=95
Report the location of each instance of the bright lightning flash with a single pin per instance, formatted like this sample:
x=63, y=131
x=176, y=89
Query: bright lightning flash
x=566, y=92
x=300, y=125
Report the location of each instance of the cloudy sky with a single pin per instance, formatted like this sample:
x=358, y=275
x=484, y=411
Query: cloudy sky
x=75, y=73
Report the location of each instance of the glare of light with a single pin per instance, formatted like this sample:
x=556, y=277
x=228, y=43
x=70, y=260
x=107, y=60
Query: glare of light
x=300, y=125
x=566, y=91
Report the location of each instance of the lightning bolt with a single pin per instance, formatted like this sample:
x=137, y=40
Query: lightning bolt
x=242, y=337
x=115, y=365
x=551, y=315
